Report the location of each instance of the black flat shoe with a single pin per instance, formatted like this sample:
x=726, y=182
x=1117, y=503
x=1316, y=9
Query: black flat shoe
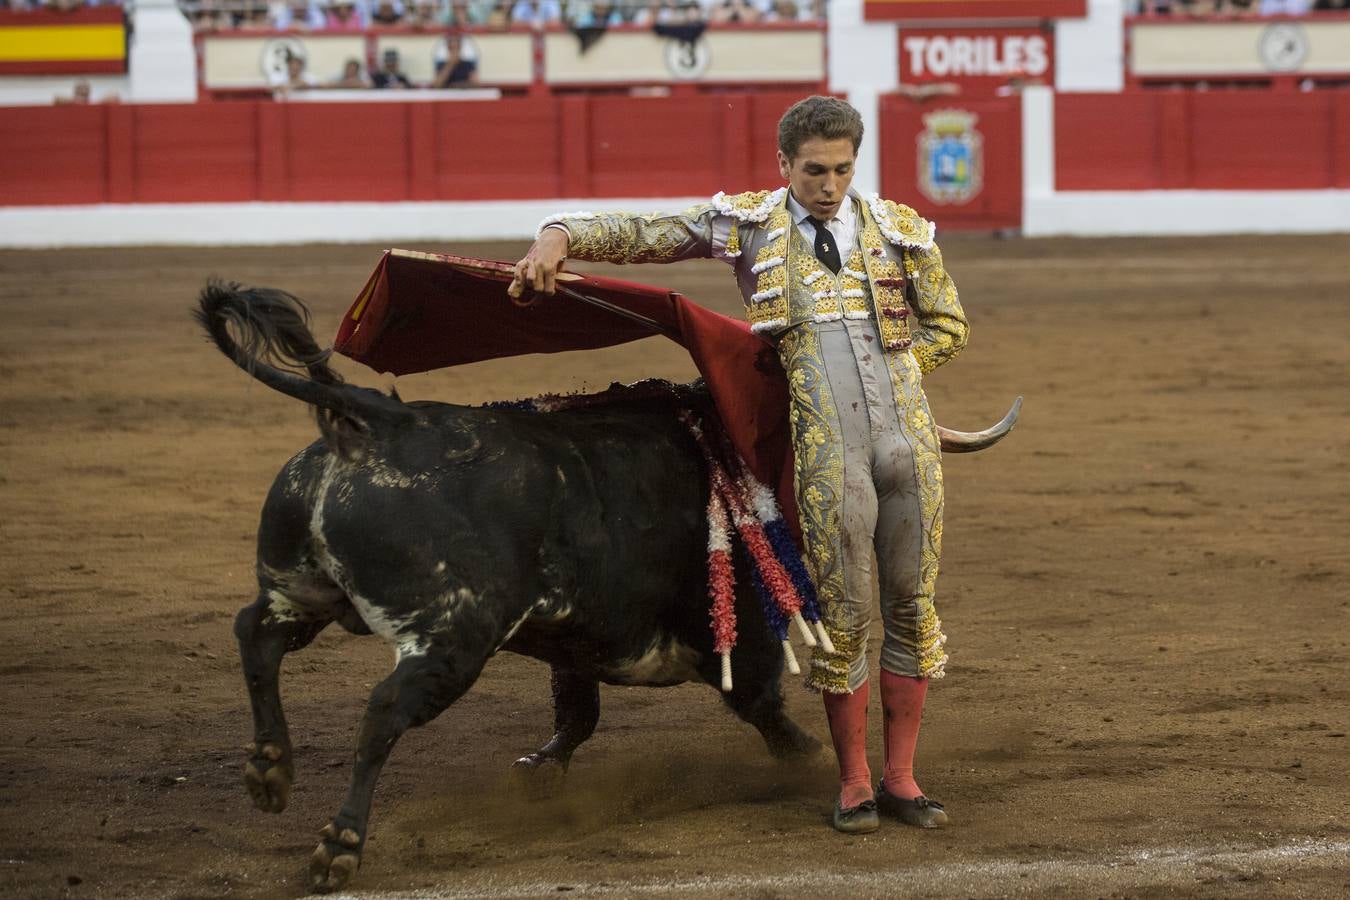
x=860, y=819
x=919, y=812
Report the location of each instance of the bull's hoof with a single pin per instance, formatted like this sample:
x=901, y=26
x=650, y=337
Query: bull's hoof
x=335, y=860
x=539, y=775
x=268, y=775
x=536, y=762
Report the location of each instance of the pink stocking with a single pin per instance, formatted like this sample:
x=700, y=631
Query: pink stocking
x=848, y=729
x=902, y=708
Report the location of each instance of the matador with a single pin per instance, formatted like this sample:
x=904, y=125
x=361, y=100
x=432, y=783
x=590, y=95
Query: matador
x=853, y=292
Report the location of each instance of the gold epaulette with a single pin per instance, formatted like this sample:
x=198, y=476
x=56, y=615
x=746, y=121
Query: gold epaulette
x=752, y=206
x=901, y=225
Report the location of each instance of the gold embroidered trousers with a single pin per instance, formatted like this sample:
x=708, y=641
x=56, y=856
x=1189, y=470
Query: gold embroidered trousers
x=868, y=479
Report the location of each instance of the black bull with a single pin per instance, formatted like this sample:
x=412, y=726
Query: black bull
x=577, y=538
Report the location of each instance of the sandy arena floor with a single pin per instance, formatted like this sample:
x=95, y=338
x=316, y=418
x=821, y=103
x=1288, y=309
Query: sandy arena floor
x=1146, y=589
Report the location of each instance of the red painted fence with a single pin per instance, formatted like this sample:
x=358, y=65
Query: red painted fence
x=577, y=146
x=1224, y=140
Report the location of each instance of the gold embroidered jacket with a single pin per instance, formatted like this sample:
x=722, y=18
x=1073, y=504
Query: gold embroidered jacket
x=895, y=270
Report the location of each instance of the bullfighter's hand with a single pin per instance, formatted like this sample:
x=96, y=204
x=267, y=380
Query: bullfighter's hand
x=538, y=270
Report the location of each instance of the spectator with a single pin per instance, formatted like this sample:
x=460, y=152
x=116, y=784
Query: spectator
x=208, y=15
x=297, y=15
x=739, y=11
x=457, y=70
x=345, y=16
x=390, y=76
x=294, y=78
x=499, y=15
x=1332, y=5
x=536, y=12
x=1285, y=7
x=678, y=12
x=79, y=96
x=424, y=15
x=255, y=18
x=387, y=13
x=352, y=77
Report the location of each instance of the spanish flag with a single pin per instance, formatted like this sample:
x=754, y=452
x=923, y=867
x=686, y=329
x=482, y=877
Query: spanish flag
x=48, y=42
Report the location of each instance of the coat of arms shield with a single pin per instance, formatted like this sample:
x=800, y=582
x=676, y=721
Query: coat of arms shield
x=951, y=156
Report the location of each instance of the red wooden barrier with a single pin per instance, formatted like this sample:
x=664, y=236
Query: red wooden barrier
x=988, y=194
x=1223, y=140
x=574, y=146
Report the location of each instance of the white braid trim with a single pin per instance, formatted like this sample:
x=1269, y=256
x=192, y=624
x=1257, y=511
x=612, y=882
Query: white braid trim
x=769, y=326
x=827, y=317
x=561, y=219
x=861, y=276
x=883, y=220
x=766, y=295
x=767, y=264
x=813, y=277
x=823, y=295
x=775, y=235
x=758, y=214
x=857, y=314
x=762, y=498
x=853, y=292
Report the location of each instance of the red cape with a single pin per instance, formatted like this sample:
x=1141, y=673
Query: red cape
x=423, y=311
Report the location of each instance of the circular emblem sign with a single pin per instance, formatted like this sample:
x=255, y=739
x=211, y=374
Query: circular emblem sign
x=687, y=60
x=274, y=54
x=1283, y=46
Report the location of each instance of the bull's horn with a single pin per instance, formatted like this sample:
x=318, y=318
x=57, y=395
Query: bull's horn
x=970, y=441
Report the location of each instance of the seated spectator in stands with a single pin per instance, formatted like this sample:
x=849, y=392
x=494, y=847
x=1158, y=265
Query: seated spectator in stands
x=784, y=11
x=536, y=12
x=254, y=18
x=458, y=13
x=387, y=13
x=1331, y=5
x=344, y=15
x=739, y=11
x=352, y=78
x=79, y=96
x=499, y=15
x=295, y=78
x=208, y=15
x=390, y=76
x=424, y=15
x=297, y=15
x=1285, y=7
x=456, y=70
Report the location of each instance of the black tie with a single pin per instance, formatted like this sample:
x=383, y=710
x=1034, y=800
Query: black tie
x=826, y=251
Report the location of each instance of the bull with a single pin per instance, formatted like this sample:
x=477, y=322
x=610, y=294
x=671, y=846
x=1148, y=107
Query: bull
x=576, y=537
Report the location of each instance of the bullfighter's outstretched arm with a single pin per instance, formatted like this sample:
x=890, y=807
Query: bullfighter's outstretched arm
x=942, y=326
x=628, y=238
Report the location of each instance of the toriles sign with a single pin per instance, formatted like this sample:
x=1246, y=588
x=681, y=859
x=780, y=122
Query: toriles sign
x=899, y=10
x=980, y=60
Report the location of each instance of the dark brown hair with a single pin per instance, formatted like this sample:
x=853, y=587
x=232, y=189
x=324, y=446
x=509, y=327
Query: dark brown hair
x=818, y=117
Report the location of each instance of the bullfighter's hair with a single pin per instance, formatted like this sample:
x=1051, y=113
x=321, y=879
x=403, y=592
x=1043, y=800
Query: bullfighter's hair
x=266, y=333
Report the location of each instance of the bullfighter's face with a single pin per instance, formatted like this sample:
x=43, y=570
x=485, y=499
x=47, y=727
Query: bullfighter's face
x=820, y=174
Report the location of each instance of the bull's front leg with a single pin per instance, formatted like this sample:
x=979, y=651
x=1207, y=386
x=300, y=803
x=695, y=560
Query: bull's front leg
x=418, y=689
x=576, y=710
x=264, y=638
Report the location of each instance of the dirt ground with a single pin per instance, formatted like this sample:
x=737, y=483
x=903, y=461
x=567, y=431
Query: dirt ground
x=1145, y=589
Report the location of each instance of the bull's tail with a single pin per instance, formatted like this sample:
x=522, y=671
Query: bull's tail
x=266, y=333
